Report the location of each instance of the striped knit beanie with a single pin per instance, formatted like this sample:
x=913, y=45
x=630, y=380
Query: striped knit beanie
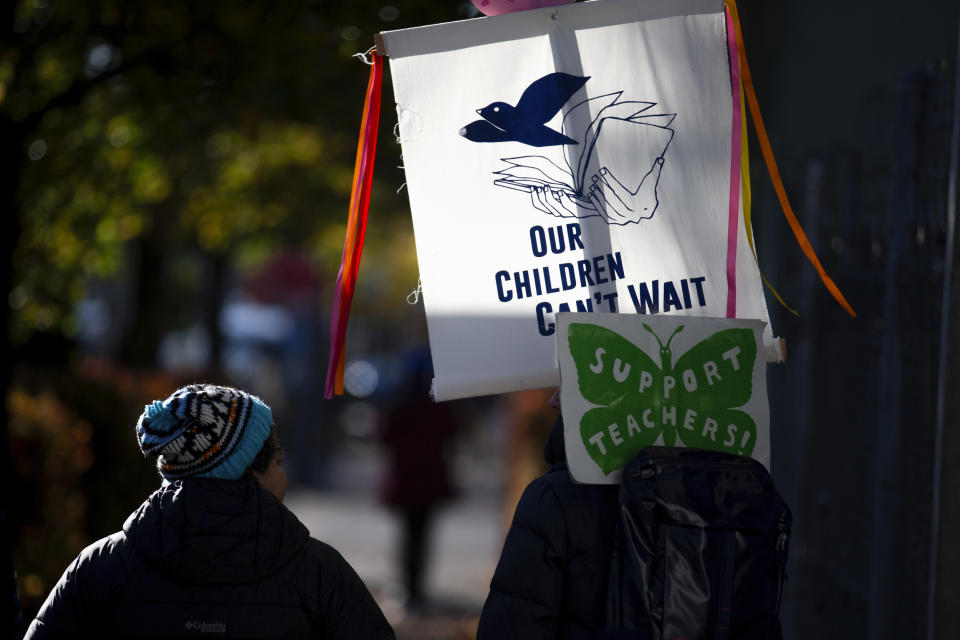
x=204, y=430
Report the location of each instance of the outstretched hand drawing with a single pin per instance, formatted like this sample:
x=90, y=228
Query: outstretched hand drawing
x=615, y=191
x=555, y=202
x=618, y=204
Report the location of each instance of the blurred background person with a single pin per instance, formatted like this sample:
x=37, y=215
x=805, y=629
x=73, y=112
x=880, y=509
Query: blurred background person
x=416, y=432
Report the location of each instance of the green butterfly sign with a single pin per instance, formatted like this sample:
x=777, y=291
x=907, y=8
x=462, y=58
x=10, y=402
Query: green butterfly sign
x=629, y=386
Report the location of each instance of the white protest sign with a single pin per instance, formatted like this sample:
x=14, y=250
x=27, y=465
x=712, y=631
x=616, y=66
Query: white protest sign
x=630, y=381
x=575, y=158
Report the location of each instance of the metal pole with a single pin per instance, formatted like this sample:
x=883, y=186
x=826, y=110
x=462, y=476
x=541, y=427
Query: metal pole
x=944, y=338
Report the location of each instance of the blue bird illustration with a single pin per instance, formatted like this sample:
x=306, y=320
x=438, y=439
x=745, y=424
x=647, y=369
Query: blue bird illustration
x=526, y=122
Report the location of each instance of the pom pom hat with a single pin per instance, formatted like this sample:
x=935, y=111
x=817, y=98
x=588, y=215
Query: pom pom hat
x=204, y=430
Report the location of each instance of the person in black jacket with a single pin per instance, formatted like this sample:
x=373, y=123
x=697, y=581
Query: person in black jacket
x=551, y=579
x=213, y=552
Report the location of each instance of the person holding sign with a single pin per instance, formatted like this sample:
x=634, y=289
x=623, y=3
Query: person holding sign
x=213, y=550
x=677, y=530
x=550, y=580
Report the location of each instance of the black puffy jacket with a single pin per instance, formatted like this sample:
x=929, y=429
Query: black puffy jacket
x=210, y=558
x=552, y=575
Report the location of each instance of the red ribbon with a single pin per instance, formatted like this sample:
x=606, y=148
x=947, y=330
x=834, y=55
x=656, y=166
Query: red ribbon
x=356, y=229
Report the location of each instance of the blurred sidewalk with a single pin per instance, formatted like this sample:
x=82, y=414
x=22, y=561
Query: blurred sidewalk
x=464, y=547
x=466, y=535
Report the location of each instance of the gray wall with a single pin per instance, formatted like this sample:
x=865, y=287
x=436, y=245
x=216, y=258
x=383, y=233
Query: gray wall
x=858, y=100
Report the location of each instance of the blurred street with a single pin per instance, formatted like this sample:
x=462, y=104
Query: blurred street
x=465, y=544
x=463, y=547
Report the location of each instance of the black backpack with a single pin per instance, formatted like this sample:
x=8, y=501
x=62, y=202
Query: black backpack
x=700, y=549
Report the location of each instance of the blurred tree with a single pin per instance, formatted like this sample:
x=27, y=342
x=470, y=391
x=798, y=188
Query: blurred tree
x=175, y=125
x=137, y=135
x=134, y=131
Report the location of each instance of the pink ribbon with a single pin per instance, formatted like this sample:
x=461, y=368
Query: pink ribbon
x=734, y=213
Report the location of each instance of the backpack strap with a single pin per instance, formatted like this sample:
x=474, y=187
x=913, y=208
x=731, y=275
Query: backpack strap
x=724, y=595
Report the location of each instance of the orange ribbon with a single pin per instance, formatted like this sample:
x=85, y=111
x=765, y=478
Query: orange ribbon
x=774, y=172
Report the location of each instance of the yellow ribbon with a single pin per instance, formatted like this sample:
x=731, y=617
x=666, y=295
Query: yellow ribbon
x=745, y=184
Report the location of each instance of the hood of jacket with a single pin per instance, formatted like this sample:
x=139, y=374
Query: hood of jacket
x=554, y=451
x=212, y=531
